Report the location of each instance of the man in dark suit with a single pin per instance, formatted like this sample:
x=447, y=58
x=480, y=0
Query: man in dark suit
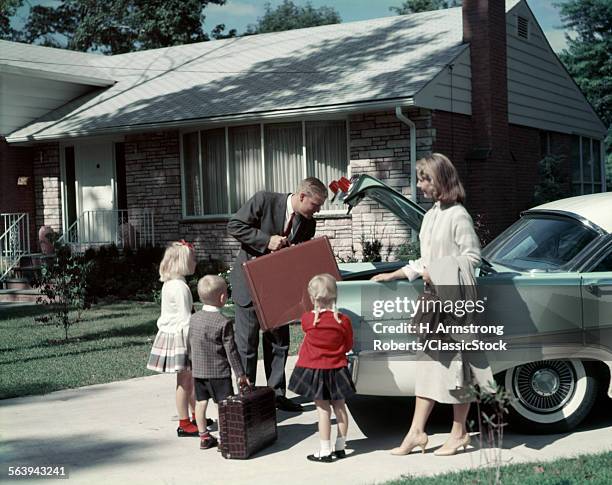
x=268, y=222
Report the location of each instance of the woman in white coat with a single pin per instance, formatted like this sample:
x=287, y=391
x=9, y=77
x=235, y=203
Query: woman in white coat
x=450, y=254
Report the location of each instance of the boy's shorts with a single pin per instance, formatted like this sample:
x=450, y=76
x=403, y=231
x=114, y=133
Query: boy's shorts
x=218, y=389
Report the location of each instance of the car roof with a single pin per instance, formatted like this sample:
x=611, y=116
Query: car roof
x=596, y=208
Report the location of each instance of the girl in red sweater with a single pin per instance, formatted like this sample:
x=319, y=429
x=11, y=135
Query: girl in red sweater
x=321, y=372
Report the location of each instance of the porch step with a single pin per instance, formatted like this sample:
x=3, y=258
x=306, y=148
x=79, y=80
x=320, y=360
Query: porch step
x=10, y=295
x=35, y=259
x=17, y=284
x=28, y=273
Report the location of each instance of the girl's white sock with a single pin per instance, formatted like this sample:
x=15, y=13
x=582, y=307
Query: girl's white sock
x=340, y=443
x=325, y=448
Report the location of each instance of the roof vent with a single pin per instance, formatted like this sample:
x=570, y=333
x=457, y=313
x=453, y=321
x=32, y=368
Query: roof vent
x=522, y=27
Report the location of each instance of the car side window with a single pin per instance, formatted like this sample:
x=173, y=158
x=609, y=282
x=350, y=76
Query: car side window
x=605, y=264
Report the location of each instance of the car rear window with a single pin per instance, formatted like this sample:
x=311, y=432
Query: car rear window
x=541, y=243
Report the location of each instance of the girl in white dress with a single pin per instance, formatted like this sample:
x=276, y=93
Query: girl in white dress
x=450, y=254
x=169, y=352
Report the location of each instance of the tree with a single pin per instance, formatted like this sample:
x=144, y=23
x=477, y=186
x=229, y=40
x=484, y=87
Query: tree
x=415, y=6
x=119, y=26
x=288, y=16
x=8, y=8
x=587, y=57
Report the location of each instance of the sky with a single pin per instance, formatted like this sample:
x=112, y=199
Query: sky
x=237, y=14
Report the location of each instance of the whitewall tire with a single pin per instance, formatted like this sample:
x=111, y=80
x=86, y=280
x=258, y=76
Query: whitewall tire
x=550, y=396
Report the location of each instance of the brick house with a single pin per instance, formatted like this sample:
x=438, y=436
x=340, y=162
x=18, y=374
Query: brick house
x=186, y=134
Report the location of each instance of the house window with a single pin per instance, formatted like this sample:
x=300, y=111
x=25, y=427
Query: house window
x=522, y=27
x=223, y=167
x=544, y=144
x=586, y=165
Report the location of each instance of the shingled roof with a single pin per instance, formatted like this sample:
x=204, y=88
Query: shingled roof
x=381, y=60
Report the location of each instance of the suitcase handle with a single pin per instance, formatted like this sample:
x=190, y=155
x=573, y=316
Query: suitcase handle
x=245, y=389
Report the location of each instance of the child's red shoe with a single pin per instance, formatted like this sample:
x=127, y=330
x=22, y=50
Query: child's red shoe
x=186, y=428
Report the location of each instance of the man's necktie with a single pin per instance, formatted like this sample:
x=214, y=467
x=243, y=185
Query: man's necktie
x=287, y=231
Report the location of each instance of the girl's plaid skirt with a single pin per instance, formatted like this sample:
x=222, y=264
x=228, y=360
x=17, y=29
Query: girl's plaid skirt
x=322, y=384
x=169, y=352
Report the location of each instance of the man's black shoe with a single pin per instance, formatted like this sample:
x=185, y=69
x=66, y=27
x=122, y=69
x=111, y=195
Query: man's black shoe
x=285, y=404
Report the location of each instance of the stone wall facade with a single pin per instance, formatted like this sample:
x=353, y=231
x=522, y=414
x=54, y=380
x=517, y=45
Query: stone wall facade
x=379, y=145
x=47, y=186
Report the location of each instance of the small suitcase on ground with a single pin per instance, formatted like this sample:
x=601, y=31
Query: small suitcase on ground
x=247, y=422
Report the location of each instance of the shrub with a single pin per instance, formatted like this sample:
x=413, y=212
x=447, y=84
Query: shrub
x=226, y=276
x=407, y=251
x=208, y=266
x=492, y=410
x=131, y=275
x=134, y=274
x=63, y=287
x=348, y=259
x=482, y=230
x=371, y=250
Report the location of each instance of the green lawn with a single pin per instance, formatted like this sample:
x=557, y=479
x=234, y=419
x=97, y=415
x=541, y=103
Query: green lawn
x=592, y=469
x=112, y=343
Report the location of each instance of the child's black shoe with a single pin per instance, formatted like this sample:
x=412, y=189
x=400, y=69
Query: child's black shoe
x=180, y=431
x=339, y=454
x=209, y=423
x=208, y=442
x=324, y=459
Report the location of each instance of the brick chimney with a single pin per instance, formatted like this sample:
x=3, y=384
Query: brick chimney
x=490, y=179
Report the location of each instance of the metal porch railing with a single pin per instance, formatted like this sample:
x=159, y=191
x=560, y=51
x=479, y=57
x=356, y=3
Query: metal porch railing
x=131, y=228
x=14, y=241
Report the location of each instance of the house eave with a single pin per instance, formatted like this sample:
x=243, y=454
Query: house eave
x=56, y=76
x=346, y=108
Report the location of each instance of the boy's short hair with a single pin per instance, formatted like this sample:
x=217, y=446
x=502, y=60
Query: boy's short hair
x=210, y=287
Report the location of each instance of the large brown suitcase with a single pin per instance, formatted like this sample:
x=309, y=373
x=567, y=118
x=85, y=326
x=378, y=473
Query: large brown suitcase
x=279, y=281
x=247, y=422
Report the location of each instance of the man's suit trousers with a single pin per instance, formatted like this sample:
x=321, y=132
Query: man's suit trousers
x=275, y=348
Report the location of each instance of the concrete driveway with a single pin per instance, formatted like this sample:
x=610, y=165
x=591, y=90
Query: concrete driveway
x=124, y=432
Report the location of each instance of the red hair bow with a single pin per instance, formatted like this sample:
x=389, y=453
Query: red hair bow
x=185, y=243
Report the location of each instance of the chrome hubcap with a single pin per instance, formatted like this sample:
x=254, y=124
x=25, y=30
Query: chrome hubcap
x=545, y=382
x=544, y=386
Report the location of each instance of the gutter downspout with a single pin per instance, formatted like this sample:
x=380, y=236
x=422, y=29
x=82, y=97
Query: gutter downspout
x=413, y=188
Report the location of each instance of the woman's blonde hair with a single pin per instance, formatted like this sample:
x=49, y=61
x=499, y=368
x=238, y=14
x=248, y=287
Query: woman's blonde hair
x=447, y=187
x=175, y=262
x=322, y=290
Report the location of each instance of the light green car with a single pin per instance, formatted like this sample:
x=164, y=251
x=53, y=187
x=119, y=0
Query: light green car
x=547, y=281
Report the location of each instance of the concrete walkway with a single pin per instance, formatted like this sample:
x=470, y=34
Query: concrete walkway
x=124, y=432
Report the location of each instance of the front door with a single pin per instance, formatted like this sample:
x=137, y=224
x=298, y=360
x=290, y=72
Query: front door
x=95, y=183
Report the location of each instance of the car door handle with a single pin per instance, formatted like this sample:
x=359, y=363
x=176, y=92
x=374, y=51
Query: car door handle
x=593, y=289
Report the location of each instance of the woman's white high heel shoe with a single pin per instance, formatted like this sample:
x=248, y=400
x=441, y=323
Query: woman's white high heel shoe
x=448, y=451
x=405, y=450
